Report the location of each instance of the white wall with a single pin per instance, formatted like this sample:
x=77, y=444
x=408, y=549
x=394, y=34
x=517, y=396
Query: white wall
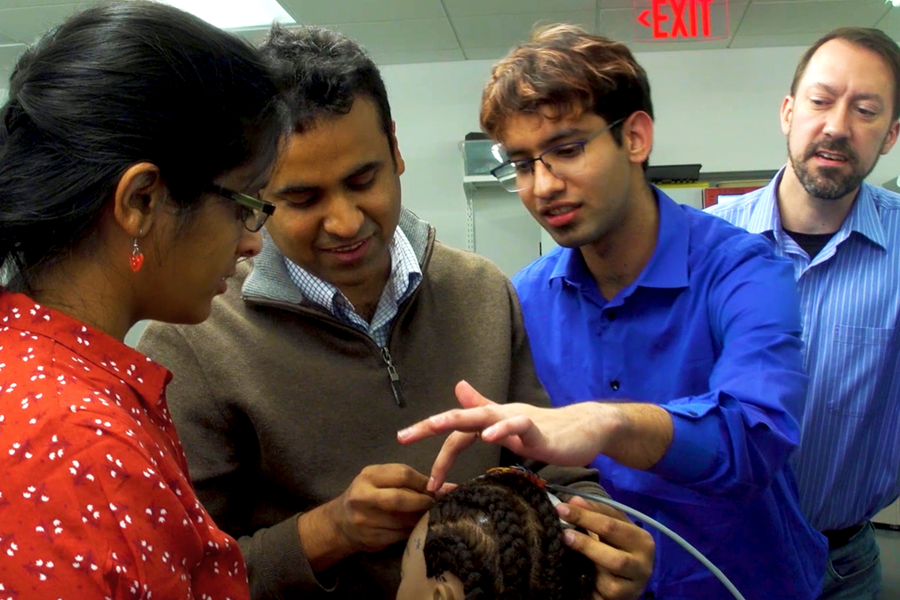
x=716, y=108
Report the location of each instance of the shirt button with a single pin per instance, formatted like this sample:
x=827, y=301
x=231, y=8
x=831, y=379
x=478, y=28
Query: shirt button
x=649, y=595
x=614, y=384
x=611, y=315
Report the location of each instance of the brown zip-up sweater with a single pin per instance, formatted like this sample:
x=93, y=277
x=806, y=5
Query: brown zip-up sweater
x=279, y=405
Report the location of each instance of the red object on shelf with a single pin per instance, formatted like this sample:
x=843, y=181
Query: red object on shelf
x=711, y=195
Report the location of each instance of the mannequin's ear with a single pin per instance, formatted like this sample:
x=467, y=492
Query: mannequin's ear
x=448, y=587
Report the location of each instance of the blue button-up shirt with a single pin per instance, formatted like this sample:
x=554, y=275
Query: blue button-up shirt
x=710, y=331
x=848, y=464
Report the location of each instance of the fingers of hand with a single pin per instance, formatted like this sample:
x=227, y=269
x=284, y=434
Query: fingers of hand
x=393, y=476
x=372, y=518
x=454, y=445
x=469, y=397
x=623, y=549
x=610, y=587
x=604, y=509
x=365, y=498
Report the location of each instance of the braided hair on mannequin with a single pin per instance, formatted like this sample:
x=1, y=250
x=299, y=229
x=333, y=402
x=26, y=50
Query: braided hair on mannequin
x=501, y=536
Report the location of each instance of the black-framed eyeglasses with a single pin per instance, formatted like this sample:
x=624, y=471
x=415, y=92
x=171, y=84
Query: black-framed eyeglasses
x=561, y=160
x=253, y=212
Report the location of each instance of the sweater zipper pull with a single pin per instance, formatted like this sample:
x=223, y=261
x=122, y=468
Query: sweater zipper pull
x=395, y=378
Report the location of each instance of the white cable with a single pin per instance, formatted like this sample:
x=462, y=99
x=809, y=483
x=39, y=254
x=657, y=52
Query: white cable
x=674, y=536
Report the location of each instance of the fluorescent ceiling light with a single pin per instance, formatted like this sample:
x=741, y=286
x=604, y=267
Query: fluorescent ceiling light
x=234, y=14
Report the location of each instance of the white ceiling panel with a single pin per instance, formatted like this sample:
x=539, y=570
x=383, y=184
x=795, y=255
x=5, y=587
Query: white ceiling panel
x=772, y=18
x=316, y=12
x=890, y=24
x=783, y=1
x=777, y=39
x=400, y=36
x=676, y=46
x=603, y=4
x=8, y=56
x=9, y=53
x=255, y=35
x=424, y=56
x=494, y=53
x=27, y=24
x=507, y=30
x=480, y=8
x=30, y=3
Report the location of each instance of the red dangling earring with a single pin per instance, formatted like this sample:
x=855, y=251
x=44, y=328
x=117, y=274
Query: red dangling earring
x=137, y=257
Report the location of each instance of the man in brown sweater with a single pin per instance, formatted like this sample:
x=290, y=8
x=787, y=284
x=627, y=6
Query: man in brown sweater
x=352, y=323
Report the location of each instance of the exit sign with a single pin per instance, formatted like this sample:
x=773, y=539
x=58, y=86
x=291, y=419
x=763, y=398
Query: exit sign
x=674, y=20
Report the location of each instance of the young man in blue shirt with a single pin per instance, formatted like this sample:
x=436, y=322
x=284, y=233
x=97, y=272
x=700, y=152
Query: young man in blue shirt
x=843, y=237
x=686, y=329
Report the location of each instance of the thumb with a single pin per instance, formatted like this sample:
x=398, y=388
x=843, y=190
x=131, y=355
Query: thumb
x=468, y=397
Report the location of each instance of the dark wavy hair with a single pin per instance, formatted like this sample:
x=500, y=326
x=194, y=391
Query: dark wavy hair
x=500, y=535
x=563, y=70
x=114, y=85
x=320, y=73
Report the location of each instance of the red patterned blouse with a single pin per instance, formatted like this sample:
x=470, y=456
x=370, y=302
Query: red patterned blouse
x=95, y=499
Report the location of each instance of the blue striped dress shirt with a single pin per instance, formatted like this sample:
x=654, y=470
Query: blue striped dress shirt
x=848, y=462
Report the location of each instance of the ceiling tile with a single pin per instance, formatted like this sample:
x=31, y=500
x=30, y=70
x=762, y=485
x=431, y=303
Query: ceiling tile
x=4, y=4
x=890, y=24
x=677, y=46
x=27, y=24
x=492, y=53
x=509, y=30
x=820, y=16
x=604, y=4
x=400, y=36
x=9, y=53
x=782, y=1
x=480, y=8
x=6, y=40
x=422, y=56
x=772, y=40
x=254, y=35
x=317, y=12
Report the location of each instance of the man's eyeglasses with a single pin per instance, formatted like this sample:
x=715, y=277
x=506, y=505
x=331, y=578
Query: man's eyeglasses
x=253, y=212
x=562, y=160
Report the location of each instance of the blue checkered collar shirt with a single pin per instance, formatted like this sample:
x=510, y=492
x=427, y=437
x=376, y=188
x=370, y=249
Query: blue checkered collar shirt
x=406, y=274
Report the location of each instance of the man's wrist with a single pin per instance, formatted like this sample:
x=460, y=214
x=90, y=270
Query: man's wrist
x=607, y=422
x=321, y=538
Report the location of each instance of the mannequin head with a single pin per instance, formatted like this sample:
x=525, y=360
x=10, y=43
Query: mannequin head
x=497, y=536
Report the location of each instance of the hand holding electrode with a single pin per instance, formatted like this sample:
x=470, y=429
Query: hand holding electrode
x=624, y=554
x=380, y=507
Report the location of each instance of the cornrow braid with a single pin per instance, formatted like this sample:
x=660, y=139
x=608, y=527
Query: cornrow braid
x=500, y=535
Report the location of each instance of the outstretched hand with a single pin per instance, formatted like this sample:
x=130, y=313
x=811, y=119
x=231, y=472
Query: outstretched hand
x=568, y=436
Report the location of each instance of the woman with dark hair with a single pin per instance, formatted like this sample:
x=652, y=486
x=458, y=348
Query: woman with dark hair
x=132, y=148
x=495, y=537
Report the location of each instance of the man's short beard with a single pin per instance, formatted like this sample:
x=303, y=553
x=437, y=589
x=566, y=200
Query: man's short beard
x=828, y=183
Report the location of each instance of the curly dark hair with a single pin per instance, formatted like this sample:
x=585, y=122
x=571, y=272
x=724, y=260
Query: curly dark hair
x=320, y=73
x=502, y=537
